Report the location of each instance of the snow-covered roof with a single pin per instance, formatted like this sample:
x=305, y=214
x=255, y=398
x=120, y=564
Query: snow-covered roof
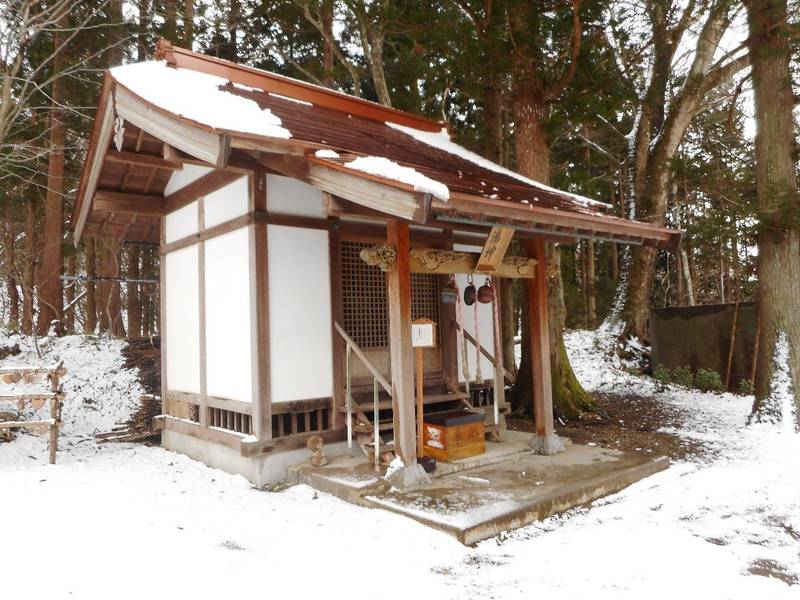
x=213, y=105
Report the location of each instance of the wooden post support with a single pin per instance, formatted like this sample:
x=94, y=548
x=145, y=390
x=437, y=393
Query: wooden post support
x=259, y=311
x=420, y=352
x=398, y=280
x=545, y=440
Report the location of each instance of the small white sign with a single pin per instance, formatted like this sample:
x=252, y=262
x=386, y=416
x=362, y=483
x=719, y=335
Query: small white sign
x=423, y=335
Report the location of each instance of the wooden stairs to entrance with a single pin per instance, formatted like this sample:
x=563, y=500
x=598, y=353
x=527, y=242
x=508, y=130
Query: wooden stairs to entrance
x=436, y=399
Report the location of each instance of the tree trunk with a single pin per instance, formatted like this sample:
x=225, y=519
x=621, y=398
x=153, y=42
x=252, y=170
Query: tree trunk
x=493, y=117
x=327, y=47
x=779, y=206
x=10, y=235
x=143, y=29
x=69, y=294
x=90, y=321
x=110, y=298
x=188, y=23
x=28, y=279
x=50, y=290
x=170, y=20
x=570, y=400
x=134, y=304
x=509, y=324
x=590, y=289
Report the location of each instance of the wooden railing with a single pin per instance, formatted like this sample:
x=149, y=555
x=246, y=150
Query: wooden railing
x=377, y=380
x=54, y=396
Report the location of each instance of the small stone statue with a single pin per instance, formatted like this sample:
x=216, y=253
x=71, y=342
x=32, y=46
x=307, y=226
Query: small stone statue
x=315, y=446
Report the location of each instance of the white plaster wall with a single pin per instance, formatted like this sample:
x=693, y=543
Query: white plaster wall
x=226, y=203
x=485, y=325
x=185, y=176
x=181, y=223
x=301, y=347
x=183, y=320
x=289, y=196
x=228, y=318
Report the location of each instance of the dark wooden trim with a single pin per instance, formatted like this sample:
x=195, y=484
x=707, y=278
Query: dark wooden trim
x=162, y=326
x=129, y=204
x=230, y=404
x=259, y=310
x=257, y=217
x=295, y=441
x=301, y=406
x=540, y=341
x=337, y=316
x=201, y=323
x=295, y=221
x=142, y=160
x=208, y=183
x=231, y=439
x=398, y=289
x=448, y=335
x=562, y=222
x=271, y=82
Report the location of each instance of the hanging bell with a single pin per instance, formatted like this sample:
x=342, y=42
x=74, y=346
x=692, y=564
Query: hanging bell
x=450, y=292
x=469, y=292
x=486, y=293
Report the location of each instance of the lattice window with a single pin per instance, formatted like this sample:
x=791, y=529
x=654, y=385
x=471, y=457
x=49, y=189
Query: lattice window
x=366, y=318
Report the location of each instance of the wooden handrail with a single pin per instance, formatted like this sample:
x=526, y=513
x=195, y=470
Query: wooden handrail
x=506, y=373
x=362, y=357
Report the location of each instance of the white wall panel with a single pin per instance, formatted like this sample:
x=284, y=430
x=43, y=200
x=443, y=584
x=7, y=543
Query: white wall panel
x=181, y=223
x=226, y=203
x=299, y=314
x=185, y=176
x=183, y=320
x=228, y=319
x=485, y=325
x=289, y=196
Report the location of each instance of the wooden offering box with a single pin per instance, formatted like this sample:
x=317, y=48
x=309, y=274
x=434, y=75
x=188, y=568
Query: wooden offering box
x=454, y=434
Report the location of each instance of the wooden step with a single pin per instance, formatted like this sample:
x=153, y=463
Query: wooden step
x=386, y=404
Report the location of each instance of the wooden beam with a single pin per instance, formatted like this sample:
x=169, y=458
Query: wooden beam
x=250, y=449
x=398, y=288
x=398, y=200
x=129, y=204
x=259, y=310
x=171, y=129
x=435, y=261
x=292, y=88
x=540, y=342
x=494, y=249
x=142, y=160
x=101, y=136
x=210, y=182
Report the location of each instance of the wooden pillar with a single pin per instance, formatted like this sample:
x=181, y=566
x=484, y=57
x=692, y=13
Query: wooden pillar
x=398, y=288
x=545, y=440
x=259, y=311
x=337, y=316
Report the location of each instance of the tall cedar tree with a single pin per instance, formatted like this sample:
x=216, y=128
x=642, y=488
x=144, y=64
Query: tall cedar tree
x=778, y=200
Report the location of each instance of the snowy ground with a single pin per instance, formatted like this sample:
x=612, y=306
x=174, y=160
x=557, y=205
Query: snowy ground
x=131, y=522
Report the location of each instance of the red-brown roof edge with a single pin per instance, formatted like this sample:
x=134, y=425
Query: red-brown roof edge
x=291, y=88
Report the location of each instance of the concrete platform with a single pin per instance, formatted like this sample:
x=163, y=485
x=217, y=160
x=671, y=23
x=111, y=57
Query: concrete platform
x=477, y=498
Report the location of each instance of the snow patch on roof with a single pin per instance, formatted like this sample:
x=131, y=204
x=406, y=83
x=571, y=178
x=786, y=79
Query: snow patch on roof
x=290, y=99
x=383, y=167
x=326, y=154
x=197, y=96
x=441, y=141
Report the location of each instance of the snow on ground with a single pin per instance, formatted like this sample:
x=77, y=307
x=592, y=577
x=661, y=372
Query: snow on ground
x=128, y=521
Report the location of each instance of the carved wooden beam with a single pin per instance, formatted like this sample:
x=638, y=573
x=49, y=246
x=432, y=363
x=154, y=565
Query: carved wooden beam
x=445, y=262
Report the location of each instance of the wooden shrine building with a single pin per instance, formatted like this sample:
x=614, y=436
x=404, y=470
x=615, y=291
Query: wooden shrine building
x=301, y=231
